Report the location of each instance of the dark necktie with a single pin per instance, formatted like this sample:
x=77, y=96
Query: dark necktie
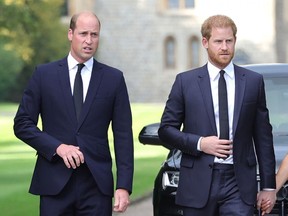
x=78, y=91
x=223, y=107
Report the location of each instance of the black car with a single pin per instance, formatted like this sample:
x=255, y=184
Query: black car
x=166, y=182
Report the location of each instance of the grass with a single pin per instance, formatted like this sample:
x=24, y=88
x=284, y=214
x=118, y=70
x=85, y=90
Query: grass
x=17, y=161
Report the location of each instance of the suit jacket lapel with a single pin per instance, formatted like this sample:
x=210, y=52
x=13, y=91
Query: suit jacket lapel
x=205, y=87
x=63, y=73
x=94, y=84
x=240, y=82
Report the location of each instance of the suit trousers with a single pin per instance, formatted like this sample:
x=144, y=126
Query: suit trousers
x=224, y=199
x=80, y=197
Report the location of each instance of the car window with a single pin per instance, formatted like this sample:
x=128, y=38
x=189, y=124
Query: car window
x=277, y=102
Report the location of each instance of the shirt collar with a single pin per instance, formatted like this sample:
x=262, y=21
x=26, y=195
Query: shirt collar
x=72, y=63
x=214, y=71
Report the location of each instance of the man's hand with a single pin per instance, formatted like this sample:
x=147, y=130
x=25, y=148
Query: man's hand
x=71, y=155
x=266, y=201
x=121, y=202
x=214, y=146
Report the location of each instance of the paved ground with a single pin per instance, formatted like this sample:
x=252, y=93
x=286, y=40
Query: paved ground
x=142, y=207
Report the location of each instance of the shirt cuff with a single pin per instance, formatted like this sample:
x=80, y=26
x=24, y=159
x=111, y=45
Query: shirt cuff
x=268, y=189
x=198, y=144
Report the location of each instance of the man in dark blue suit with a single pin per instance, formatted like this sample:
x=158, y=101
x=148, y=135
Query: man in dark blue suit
x=73, y=172
x=218, y=173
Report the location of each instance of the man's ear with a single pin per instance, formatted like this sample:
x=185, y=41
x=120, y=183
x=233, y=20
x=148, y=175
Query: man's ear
x=70, y=34
x=205, y=42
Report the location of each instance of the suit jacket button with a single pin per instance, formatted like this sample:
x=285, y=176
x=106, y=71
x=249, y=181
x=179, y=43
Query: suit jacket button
x=210, y=166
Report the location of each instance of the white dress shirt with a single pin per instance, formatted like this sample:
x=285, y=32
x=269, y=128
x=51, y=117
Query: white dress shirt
x=85, y=73
x=230, y=84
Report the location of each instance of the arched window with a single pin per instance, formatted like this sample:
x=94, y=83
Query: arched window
x=194, y=52
x=170, y=52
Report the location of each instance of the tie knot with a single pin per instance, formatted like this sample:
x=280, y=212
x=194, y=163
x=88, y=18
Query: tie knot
x=80, y=66
x=222, y=72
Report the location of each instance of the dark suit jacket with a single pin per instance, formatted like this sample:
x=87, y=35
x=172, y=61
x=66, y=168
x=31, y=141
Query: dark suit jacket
x=49, y=94
x=190, y=104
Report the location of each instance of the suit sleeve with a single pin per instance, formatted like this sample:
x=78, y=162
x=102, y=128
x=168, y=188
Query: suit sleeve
x=172, y=120
x=123, y=138
x=263, y=140
x=26, y=120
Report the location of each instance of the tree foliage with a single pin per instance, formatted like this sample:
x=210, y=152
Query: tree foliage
x=31, y=32
x=11, y=64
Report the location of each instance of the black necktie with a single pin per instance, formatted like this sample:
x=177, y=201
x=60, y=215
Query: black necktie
x=223, y=107
x=78, y=91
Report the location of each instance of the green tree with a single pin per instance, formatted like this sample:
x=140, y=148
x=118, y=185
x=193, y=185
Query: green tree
x=11, y=64
x=31, y=32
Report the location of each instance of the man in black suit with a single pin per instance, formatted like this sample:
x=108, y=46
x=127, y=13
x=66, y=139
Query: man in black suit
x=218, y=172
x=73, y=172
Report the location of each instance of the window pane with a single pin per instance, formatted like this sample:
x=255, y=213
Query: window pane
x=64, y=8
x=173, y=4
x=189, y=4
x=277, y=102
x=194, y=57
x=170, y=53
